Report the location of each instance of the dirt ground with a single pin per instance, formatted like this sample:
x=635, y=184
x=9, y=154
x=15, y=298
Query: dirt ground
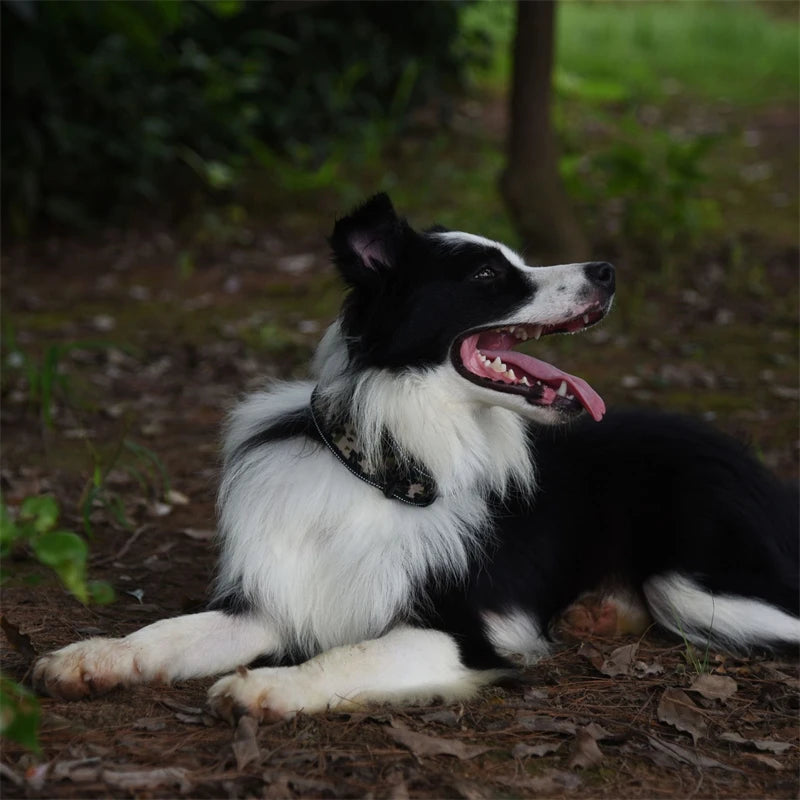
x=162, y=351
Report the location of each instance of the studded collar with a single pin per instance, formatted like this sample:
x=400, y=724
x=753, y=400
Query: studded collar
x=407, y=483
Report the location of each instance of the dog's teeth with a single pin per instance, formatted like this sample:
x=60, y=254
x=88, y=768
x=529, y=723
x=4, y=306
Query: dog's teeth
x=585, y=319
x=539, y=383
x=524, y=381
x=570, y=397
x=537, y=332
x=497, y=365
x=562, y=390
x=511, y=329
x=511, y=374
x=522, y=334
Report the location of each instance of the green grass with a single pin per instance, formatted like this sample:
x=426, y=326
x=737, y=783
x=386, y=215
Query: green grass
x=730, y=52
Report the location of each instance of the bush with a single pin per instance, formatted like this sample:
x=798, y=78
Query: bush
x=109, y=104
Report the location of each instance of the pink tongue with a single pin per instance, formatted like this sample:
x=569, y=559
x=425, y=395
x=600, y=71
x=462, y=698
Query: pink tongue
x=546, y=373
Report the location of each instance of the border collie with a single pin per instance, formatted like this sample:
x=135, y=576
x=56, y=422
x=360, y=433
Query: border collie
x=403, y=524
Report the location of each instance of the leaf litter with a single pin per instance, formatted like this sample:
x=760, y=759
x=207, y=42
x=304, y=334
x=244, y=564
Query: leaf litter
x=124, y=745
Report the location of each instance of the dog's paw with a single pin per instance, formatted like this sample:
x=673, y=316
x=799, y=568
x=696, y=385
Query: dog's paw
x=268, y=693
x=84, y=669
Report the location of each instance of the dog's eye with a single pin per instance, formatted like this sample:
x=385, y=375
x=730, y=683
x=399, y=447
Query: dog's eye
x=484, y=274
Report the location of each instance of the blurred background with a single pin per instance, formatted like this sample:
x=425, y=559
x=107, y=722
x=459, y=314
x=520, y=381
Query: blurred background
x=170, y=171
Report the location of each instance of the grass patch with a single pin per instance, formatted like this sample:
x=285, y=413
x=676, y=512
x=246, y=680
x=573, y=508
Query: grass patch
x=725, y=52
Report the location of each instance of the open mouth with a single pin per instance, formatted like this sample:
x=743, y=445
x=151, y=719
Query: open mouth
x=487, y=358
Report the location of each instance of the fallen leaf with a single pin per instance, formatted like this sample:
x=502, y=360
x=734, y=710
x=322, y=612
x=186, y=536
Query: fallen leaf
x=591, y=654
x=158, y=509
x=597, y=731
x=682, y=754
x=137, y=593
x=714, y=687
x=245, y=747
x=544, y=749
x=21, y=642
x=176, y=705
x=536, y=722
x=9, y=774
x=549, y=782
x=620, y=661
x=200, y=534
x=444, y=717
x=770, y=762
x=176, y=498
x=768, y=745
x=585, y=751
x=421, y=744
x=147, y=778
x=643, y=670
x=677, y=709
x=76, y=769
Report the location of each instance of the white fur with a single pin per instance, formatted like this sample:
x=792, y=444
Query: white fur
x=324, y=559
x=308, y=541
x=516, y=633
x=191, y=646
x=406, y=665
x=733, y=622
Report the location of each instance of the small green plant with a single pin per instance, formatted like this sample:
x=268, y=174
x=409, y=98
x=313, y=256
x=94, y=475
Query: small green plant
x=699, y=663
x=19, y=714
x=64, y=551
x=651, y=181
x=140, y=462
x=35, y=526
x=44, y=375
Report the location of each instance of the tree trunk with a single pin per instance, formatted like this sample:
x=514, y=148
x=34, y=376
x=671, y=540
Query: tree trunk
x=531, y=184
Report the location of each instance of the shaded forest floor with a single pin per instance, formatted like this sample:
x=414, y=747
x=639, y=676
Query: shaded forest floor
x=156, y=347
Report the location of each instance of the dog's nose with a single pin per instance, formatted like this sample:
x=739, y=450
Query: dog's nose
x=601, y=274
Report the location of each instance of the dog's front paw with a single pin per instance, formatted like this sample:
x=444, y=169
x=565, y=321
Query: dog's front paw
x=84, y=669
x=267, y=694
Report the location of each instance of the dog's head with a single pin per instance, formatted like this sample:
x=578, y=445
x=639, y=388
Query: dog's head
x=452, y=300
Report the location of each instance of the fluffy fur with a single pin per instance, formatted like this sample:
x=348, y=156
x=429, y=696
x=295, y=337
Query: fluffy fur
x=355, y=597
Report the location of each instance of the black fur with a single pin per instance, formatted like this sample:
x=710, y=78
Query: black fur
x=640, y=494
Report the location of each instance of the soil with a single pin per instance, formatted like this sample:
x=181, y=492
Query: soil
x=160, y=345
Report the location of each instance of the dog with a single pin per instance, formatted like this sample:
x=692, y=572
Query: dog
x=429, y=506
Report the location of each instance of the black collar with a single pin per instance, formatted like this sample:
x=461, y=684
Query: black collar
x=409, y=483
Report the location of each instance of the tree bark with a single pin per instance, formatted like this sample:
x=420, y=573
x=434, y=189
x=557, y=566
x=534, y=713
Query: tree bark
x=531, y=184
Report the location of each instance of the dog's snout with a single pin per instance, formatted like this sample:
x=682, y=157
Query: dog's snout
x=601, y=274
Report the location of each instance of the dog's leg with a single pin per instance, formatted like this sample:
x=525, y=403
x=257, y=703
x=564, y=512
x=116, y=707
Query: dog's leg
x=407, y=665
x=192, y=646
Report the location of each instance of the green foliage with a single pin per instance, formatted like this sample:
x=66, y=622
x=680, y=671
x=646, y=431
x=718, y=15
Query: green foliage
x=44, y=375
x=654, y=49
x=110, y=104
x=36, y=527
x=19, y=714
x=64, y=551
x=140, y=462
x=653, y=181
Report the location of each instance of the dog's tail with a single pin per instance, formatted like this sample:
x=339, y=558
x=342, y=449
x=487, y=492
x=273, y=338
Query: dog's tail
x=738, y=584
x=727, y=621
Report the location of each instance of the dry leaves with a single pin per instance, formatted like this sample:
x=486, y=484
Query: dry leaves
x=585, y=751
x=422, y=744
x=245, y=747
x=677, y=709
x=768, y=745
x=714, y=687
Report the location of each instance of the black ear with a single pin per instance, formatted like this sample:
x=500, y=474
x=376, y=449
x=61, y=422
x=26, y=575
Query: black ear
x=367, y=243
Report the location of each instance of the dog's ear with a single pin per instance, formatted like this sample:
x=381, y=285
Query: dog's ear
x=366, y=244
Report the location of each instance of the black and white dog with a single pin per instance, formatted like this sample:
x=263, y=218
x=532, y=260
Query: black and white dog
x=401, y=525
